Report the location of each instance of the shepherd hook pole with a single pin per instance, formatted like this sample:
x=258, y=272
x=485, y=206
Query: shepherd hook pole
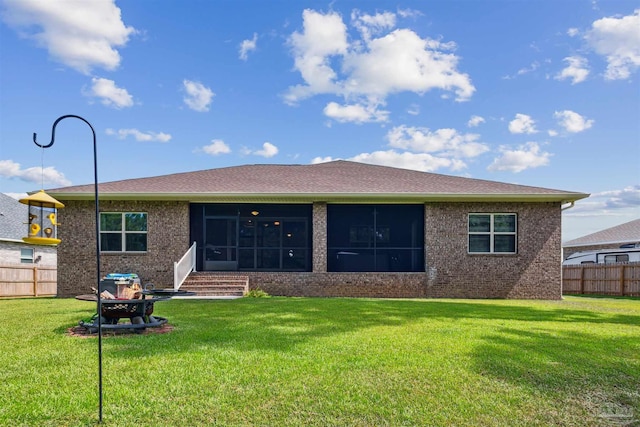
x=95, y=178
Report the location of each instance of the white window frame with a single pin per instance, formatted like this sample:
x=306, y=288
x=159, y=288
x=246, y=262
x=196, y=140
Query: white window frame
x=123, y=232
x=26, y=259
x=492, y=233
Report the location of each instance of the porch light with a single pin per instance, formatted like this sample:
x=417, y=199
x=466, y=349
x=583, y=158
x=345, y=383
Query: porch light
x=43, y=219
x=255, y=213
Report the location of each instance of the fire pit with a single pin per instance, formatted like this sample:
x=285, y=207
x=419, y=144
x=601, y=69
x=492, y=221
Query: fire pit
x=138, y=311
x=137, y=306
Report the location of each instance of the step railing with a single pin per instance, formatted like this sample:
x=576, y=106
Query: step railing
x=184, y=267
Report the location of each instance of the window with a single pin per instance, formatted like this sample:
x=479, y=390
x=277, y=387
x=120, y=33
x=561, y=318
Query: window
x=26, y=256
x=123, y=232
x=375, y=237
x=492, y=233
x=252, y=237
x=612, y=259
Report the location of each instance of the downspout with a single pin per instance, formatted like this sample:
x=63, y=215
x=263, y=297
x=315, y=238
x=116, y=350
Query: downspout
x=571, y=204
x=562, y=209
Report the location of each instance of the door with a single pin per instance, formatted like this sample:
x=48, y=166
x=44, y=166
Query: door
x=220, y=243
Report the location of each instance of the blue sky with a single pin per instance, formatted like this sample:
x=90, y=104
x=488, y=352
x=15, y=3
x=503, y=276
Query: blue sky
x=541, y=93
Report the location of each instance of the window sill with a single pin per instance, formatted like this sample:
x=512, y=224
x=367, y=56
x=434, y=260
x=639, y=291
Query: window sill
x=124, y=253
x=492, y=253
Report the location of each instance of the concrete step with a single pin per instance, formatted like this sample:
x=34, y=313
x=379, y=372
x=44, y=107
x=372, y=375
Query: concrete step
x=218, y=290
x=215, y=285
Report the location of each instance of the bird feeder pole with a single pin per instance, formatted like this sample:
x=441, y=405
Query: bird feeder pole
x=97, y=214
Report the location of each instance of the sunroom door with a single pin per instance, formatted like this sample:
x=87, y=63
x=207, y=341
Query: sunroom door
x=220, y=243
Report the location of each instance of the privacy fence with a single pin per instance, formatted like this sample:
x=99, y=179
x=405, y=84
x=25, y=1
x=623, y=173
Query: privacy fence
x=602, y=279
x=18, y=280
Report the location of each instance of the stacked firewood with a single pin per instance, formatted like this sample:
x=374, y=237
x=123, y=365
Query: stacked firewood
x=133, y=291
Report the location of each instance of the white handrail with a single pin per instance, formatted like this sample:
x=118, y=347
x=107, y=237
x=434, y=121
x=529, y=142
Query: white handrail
x=184, y=267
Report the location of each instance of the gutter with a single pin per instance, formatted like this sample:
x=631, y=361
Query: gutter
x=329, y=197
x=571, y=204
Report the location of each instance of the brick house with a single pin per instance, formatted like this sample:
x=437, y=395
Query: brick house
x=331, y=229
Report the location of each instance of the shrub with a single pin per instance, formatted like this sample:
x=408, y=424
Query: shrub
x=257, y=293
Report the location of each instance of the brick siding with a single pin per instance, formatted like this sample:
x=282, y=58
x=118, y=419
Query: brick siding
x=167, y=241
x=319, y=237
x=534, y=272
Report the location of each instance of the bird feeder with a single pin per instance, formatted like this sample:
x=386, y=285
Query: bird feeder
x=43, y=219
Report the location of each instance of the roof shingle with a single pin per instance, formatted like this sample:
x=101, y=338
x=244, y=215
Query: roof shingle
x=332, y=178
x=629, y=232
x=13, y=215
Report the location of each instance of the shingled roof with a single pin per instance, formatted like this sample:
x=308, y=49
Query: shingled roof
x=332, y=181
x=13, y=214
x=629, y=232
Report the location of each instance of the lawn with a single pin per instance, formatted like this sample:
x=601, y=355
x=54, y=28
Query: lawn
x=329, y=362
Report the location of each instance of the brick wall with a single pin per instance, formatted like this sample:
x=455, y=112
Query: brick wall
x=167, y=241
x=308, y=284
x=319, y=237
x=534, y=272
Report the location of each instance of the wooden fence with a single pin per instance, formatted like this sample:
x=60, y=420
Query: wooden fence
x=602, y=279
x=18, y=280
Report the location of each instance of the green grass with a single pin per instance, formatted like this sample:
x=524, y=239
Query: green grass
x=329, y=362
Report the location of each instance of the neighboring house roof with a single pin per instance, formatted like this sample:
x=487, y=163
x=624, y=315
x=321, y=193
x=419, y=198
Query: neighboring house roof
x=629, y=232
x=13, y=216
x=332, y=182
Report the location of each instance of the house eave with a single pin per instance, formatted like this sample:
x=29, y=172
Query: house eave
x=326, y=197
x=601, y=243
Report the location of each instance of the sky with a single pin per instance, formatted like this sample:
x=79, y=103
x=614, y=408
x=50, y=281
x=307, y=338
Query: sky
x=543, y=93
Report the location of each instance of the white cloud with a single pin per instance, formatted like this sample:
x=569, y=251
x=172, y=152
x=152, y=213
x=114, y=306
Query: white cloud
x=475, y=121
x=572, y=32
x=374, y=66
x=534, y=66
x=445, y=147
x=326, y=159
x=268, y=150
x=526, y=156
x=148, y=136
x=618, y=40
x=81, y=34
x=323, y=36
x=552, y=132
x=402, y=61
x=414, y=109
x=11, y=169
x=216, y=147
x=522, y=124
x=198, y=96
x=370, y=25
x=417, y=161
x=248, y=46
x=577, y=69
x=622, y=202
x=572, y=121
x=355, y=113
x=109, y=94
x=409, y=13
x=617, y=199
